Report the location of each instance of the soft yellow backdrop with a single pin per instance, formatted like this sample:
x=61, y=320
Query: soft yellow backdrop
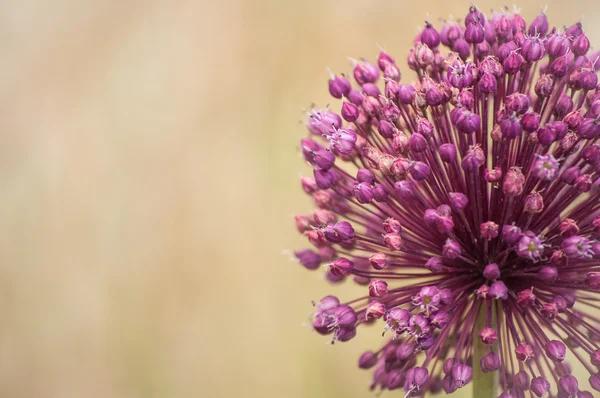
x=148, y=179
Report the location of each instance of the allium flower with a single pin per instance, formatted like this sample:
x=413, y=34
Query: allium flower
x=467, y=205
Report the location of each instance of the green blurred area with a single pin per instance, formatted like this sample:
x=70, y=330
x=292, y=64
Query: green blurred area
x=149, y=165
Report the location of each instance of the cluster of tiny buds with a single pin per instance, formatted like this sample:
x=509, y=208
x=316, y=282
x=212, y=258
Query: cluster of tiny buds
x=466, y=204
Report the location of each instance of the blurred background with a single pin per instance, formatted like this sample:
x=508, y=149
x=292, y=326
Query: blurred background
x=148, y=180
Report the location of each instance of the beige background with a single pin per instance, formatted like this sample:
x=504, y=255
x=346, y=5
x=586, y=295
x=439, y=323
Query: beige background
x=148, y=179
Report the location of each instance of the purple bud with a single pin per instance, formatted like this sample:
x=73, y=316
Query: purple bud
x=546, y=136
x=493, y=175
x=350, y=111
x=324, y=179
x=543, y=87
x=462, y=374
x=511, y=234
x=540, y=386
x=488, y=336
x=308, y=258
x=560, y=66
x=498, y=291
x=568, y=386
x=490, y=362
x=531, y=121
x=564, y=106
x=392, y=72
x=379, y=261
x=367, y=360
x=581, y=45
x=417, y=143
x=324, y=159
x=482, y=50
x=450, y=33
x=419, y=171
x=405, y=351
x=533, y=49
x=526, y=298
x=341, y=267
x=467, y=122
x=539, y=26
x=447, y=152
x=395, y=379
x=534, y=203
x=548, y=274
x=503, y=28
x=458, y=201
x=384, y=60
x=390, y=111
x=571, y=174
x=474, y=159
x=430, y=36
x=391, y=225
x=474, y=32
x=435, y=264
x=521, y=380
x=375, y=310
x=365, y=175
x=386, y=128
x=339, y=86
x=363, y=193
x=505, y=50
x=589, y=128
x=511, y=127
x=356, y=97
x=406, y=93
x=461, y=47
x=344, y=230
x=524, y=352
x=556, y=350
x=592, y=280
x=405, y=189
x=487, y=83
x=392, y=241
x=378, y=288
x=588, y=79
x=513, y=182
x=415, y=381
x=440, y=319
x=365, y=72
x=451, y=250
x=518, y=103
x=491, y=272
x=371, y=90
x=513, y=63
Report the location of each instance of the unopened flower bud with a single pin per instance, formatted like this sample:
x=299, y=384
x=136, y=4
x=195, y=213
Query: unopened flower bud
x=491, y=272
x=379, y=261
x=339, y=86
x=378, y=288
x=488, y=336
x=534, y=203
x=447, y=152
x=392, y=241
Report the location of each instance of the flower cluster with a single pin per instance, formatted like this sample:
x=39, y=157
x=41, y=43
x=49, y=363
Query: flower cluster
x=467, y=204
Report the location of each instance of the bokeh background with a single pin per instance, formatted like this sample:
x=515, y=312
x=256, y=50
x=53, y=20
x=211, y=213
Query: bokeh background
x=148, y=180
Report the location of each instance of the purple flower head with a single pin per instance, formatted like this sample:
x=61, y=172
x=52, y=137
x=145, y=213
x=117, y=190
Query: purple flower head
x=465, y=205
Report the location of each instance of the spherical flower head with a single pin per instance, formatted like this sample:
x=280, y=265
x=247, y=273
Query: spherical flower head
x=465, y=205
